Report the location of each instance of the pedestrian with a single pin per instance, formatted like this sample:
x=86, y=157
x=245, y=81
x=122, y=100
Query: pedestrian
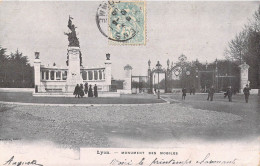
x=246, y=91
x=86, y=88
x=193, y=90
x=211, y=92
x=229, y=93
x=190, y=90
x=208, y=90
x=95, y=91
x=76, y=91
x=90, y=92
x=81, y=91
x=184, y=91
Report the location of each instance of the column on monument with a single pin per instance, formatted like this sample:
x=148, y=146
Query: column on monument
x=93, y=74
x=54, y=74
x=49, y=74
x=44, y=75
x=104, y=76
x=97, y=74
x=58, y=75
x=87, y=75
x=100, y=74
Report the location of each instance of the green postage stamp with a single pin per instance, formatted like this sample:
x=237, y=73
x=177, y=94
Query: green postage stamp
x=127, y=23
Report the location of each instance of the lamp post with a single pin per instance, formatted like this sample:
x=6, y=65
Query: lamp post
x=158, y=66
x=216, y=74
x=198, y=74
x=149, y=77
x=154, y=82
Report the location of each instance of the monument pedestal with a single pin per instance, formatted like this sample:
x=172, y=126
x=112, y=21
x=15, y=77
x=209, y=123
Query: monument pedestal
x=73, y=75
x=243, y=76
x=127, y=85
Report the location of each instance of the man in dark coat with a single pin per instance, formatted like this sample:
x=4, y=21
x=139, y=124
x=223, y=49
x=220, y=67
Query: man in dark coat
x=208, y=90
x=229, y=93
x=184, y=91
x=86, y=88
x=211, y=92
x=81, y=92
x=193, y=90
x=76, y=91
x=95, y=91
x=246, y=91
x=90, y=92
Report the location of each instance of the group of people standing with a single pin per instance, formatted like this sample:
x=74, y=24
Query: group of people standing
x=228, y=93
x=80, y=91
x=184, y=91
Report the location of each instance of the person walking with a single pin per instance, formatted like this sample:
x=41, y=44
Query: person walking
x=229, y=93
x=81, y=92
x=190, y=90
x=86, y=88
x=193, y=90
x=76, y=91
x=95, y=91
x=211, y=92
x=184, y=91
x=90, y=92
x=208, y=90
x=246, y=91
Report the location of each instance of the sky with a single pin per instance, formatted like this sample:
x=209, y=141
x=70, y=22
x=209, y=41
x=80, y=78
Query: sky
x=199, y=30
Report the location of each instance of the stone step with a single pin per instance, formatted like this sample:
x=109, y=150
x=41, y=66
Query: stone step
x=62, y=94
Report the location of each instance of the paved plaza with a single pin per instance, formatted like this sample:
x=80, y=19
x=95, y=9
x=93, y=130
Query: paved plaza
x=135, y=125
x=26, y=97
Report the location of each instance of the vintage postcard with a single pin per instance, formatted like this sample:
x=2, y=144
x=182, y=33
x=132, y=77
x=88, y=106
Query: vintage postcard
x=129, y=83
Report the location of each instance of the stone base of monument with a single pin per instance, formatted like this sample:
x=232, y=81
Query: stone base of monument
x=124, y=91
x=63, y=94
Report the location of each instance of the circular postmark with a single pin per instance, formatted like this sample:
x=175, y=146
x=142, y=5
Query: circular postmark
x=120, y=21
x=101, y=18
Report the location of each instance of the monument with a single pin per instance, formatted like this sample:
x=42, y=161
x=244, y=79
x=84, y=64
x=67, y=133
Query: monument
x=74, y=59
x=127, y=85
x=243, y=75
x=59, y=81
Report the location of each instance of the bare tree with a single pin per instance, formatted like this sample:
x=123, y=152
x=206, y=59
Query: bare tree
x=246, y=47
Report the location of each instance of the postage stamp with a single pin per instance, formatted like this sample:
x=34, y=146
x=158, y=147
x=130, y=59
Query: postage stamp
x=127, y=23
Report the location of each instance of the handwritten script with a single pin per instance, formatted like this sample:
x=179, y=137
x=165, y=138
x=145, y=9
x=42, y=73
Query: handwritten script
x=207, y=160
x=11, y=161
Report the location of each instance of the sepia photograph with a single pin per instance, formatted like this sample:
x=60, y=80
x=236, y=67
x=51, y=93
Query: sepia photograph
x=133, y=82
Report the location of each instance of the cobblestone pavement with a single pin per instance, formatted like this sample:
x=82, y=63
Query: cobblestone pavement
x=123, y=126
x=26, y=97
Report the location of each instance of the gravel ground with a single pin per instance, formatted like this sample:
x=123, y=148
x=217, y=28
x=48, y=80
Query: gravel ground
x=26, y=97
x=96, y=126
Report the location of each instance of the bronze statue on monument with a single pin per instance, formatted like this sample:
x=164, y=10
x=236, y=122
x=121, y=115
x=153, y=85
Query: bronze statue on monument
x=73, y=39
x=72, y=36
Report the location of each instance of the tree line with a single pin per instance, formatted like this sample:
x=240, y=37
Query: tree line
x=15, y=70
x=245, y=47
